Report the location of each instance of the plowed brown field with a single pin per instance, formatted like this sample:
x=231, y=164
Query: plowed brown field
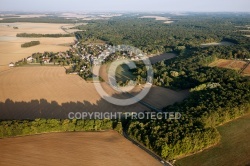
x=230, y=64
x=81, y=148
x=247, y=70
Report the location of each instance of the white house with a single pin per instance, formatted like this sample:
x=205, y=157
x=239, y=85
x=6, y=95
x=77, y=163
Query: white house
x=46, y=60
x=11, y=64
x=29, y=59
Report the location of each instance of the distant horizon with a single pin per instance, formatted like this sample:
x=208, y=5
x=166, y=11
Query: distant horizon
x=200, y=6
x=123, y=12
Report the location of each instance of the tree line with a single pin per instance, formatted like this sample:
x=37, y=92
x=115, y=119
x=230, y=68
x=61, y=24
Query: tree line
x=30, y=44
x=43, y=35
x=11, y=128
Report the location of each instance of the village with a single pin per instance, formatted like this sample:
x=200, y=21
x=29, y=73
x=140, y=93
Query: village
x=80, y=57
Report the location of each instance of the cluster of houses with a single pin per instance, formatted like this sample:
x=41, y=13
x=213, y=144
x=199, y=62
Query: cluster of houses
x=63, y=55
x=105, y=51
x=95, y=54
x=44, y=59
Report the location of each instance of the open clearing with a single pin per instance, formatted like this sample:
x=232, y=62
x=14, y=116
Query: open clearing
x=223, y=43
x=68, y=27
x=47, y=92
x=79, y=148
x=157, y=58
x=10, y=45
x=122, y=73
x=234, y=148
x=86, y=17
x=229, y=64
x=159, y=18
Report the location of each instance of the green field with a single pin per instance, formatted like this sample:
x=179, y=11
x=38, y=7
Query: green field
x=234, y=148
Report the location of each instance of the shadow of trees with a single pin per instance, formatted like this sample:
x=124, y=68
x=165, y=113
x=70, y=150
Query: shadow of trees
x=41, y=108
x=44, y=109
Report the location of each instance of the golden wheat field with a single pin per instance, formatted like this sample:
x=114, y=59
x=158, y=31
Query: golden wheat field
x=78, y=148
x=47, y=92
x=10, y=45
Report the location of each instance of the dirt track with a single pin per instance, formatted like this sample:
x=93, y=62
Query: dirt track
x=88, y=148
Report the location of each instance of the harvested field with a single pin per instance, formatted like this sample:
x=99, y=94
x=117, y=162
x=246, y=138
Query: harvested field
x=43, y=28
x=245, y=30
x=159, y=18
x=10, y=45
x=247, y=70
x=81, y=148
x=161, y=97
x=156, y=17
x=229, y=64
x=23, y=15
x=47, y=92
x=88, y=16
x=68, y=29
x=223, y=43
x=234, y=148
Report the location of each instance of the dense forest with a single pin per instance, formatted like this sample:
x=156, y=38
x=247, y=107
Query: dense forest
x=30, y=44
x=191, y=69
x=209, y=105
x=154, y=37
x=43, y=35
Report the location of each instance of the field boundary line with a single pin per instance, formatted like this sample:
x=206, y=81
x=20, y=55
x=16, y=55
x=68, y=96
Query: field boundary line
x=246, y=65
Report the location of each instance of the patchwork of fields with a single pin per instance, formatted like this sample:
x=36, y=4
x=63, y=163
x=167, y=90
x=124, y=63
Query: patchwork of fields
x=34, y=91
x=10, y=45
